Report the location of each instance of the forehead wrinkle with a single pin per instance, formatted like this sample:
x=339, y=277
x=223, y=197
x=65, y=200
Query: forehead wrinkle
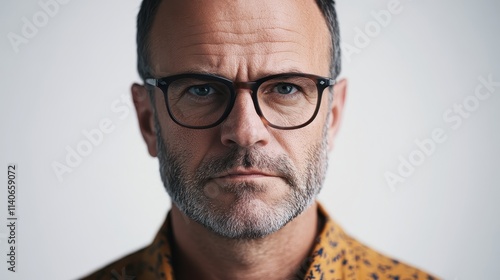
x=218, y=36
x=224, y=21
x=239, y=46
x=219, y=16
x=238, y=73
x=236, y=55
x=233, y=44
x=259, y=31
x=274, y=24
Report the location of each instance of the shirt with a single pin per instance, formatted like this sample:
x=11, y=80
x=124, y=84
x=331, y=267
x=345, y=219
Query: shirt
x=335, y=256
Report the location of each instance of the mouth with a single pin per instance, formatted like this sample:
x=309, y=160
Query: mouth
x=244, y=174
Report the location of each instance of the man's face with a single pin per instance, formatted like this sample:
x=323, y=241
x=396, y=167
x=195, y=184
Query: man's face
x=241, y=179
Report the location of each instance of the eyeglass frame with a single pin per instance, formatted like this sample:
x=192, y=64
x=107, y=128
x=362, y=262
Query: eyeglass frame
x=163, y=83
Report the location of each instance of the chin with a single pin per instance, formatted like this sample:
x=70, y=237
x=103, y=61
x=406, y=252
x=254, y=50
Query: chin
x=248, y=217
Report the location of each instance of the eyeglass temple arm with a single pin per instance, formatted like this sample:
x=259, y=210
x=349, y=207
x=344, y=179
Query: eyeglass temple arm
x=331, y=82
x=152, y=82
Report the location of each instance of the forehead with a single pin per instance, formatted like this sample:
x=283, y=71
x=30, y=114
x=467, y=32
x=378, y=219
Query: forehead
x=239, y=38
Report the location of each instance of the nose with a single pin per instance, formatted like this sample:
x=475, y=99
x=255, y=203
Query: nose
x=244, y=127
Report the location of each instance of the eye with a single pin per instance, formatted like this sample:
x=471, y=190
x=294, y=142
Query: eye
x=284, y=88
x=201, y=90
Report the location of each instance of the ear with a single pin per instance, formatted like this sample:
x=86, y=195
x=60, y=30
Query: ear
x=339, y=96
x=145, y=116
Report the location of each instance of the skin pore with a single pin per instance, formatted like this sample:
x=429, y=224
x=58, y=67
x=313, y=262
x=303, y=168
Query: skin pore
x=242, y=41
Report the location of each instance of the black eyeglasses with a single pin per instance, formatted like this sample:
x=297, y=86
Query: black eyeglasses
x=283, y=101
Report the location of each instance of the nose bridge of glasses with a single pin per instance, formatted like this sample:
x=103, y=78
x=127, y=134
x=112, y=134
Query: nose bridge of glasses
x=244, y=85
x=251, y=87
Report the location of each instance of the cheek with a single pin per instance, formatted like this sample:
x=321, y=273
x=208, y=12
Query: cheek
x=191, y=145
x=298, y=143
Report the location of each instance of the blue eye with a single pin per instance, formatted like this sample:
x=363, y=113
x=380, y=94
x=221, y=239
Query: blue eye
x=285, y=88
x=201, y=90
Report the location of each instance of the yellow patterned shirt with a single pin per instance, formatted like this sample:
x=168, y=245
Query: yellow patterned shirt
x=335, y=256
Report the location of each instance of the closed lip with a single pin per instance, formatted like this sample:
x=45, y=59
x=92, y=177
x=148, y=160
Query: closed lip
x=244, y=172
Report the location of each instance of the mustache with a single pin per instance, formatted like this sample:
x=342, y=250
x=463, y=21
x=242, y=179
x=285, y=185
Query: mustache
x=247, y=158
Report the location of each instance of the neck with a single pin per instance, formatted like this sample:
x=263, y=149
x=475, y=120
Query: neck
x=201, y=254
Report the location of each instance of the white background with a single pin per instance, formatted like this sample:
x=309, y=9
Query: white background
x=69, y=75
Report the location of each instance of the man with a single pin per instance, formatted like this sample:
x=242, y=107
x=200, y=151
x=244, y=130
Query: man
x=240, y=105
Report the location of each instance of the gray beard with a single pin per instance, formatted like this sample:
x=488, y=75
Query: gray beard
x=243, y=218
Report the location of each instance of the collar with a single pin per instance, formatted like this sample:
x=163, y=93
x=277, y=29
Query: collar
x=335, y=255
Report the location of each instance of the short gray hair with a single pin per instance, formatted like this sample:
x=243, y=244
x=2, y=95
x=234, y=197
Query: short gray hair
x=149, y=9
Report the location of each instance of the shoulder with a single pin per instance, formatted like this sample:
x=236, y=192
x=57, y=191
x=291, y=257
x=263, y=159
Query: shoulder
x=371, y=263
x=347, y=258
x=127, y=267
x=151, y=262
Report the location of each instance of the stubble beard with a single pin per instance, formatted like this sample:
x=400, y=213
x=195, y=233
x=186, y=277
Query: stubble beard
x=245, y=217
